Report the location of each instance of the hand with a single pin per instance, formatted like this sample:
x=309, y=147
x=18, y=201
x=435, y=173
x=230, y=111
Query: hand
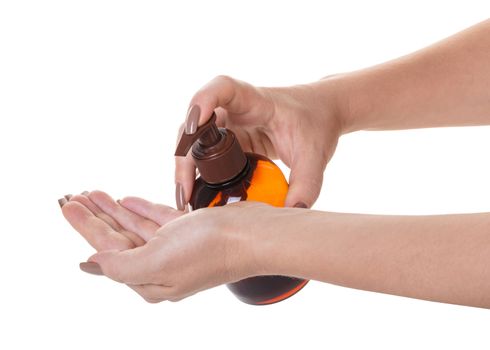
x=110, y=225
x=197, y=251
x=161, y=253
x=298, y=125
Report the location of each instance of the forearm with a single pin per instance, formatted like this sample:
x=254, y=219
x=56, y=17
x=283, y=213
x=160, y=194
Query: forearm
x=442, y=258
x=446, y=84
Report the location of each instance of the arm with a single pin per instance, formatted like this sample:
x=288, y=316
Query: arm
x=442, y=258
x=446, y=84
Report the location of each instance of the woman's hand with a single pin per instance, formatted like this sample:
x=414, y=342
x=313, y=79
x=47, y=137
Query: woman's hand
x=108, y=225
x=197, y=251
x=299, y=125
x=165, y=255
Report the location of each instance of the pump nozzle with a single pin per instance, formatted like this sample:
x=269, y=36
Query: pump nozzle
x=207, y=135
x=216, y=152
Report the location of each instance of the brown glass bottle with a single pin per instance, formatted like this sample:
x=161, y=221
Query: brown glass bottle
x=255, y=178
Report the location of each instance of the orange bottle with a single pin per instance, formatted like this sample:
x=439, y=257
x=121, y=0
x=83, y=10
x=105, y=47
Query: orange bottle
x=228, y=175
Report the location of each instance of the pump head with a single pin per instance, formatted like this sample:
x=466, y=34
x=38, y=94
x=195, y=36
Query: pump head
x=216, y=152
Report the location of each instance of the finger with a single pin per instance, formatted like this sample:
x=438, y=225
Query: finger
x=223, y=91
x=148, y=300
x=305, y=180
x=126, y=218
x=185, y=174
x=97, y=232
x=87, y=202
x=152, y=293
x=96, y=210
x=133, y=266
x=159, y=213
x=231, y=95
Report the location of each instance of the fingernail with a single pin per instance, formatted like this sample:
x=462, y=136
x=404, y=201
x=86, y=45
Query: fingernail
x=92, y=268
x=192, y=119
x=85, y=193
x=180, y=196
x=68, y=196
x=62, y=202
x=300, y=205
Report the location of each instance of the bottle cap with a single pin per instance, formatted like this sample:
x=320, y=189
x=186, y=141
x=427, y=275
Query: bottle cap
x=216, y=152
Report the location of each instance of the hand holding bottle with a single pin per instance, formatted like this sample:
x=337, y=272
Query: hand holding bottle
x=298, y=125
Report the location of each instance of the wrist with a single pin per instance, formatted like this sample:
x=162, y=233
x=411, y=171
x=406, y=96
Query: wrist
x=336, y=93
x=279, y=244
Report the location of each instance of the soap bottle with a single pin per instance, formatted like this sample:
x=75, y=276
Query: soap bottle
x=228, y=175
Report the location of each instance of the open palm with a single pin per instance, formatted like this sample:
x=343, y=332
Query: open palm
x=158, y=251
x=107, y=224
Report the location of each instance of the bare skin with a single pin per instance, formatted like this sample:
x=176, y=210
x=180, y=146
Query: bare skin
x=446, y=84
x=165, y=254
x=295, y=124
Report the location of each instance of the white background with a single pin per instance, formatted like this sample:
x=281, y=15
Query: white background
x=91, y=96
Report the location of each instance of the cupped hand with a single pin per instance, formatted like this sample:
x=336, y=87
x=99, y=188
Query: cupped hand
x=109, y=225
x=163, y=254
x=297, y=124
x=197, y=251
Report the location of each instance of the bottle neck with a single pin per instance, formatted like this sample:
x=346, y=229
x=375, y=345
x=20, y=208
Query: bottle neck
x=221, y=162
x=210, y=137
x=239, y=177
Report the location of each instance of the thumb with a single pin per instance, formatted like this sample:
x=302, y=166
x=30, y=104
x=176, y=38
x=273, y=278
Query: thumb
x=126, y=266
x=305, y=180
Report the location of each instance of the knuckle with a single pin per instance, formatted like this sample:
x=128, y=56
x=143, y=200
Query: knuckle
x=175, y=293
x=116, y=273
x=106, y=242
x=149, y=297
x=152, y=301
x=175, y=300
x=224, y=79
x=67, y=208
x=96, y=194
x=209, y=93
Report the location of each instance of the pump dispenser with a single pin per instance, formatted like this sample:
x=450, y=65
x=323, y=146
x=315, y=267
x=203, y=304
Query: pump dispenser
x=216, y=152
x=227, y=175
